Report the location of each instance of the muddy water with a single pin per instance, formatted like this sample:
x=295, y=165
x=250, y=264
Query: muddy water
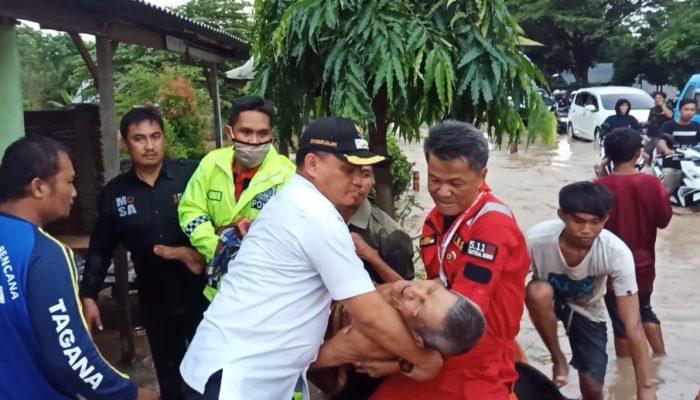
x=529, y=182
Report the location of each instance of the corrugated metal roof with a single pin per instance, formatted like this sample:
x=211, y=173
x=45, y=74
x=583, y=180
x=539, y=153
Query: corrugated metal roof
x=187, y=19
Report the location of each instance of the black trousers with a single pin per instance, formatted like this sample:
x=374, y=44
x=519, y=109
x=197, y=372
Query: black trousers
x=170, y=330
x=211, y=390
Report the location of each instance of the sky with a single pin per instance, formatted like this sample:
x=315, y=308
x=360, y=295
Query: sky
x=167, y=3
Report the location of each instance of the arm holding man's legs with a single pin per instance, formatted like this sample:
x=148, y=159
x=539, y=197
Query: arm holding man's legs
x=540, y=305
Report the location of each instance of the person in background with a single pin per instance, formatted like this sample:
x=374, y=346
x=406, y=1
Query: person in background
x=385, y=249
x=232, y=184
x=572, y=258
x=47, y=352
x=658, y=115
x=675, y=135
x=641, y=208
x=139, y=210
x=621, y=119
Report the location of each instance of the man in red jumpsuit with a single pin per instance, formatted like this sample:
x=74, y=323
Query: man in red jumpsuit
x=473, y=245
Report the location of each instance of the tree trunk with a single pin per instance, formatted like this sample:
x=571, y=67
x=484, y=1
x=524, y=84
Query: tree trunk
x=581, y=73
x=377, y=144
x=284, y=147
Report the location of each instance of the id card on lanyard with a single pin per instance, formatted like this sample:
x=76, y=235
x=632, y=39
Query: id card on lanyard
x=448, y=238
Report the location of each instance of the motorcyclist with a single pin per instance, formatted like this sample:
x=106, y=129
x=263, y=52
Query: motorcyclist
x=621, y=119
x=658, y=115
x=677, y=135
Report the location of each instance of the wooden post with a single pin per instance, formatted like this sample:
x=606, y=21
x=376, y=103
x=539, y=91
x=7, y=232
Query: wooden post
x=108, y=119
x=11, y=110
x=212, y=76
x=110, y=151
x=85, y=54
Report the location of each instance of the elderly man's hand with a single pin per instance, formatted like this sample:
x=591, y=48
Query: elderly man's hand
x=362, y=248
x=428, y=368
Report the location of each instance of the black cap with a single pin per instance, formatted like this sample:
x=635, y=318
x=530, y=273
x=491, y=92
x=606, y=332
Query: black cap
x=340, y=136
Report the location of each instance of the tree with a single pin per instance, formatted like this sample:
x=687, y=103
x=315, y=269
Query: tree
x=47, y=63
x=232, y=16
x=575, y=32
x=679, y=43
x=395, y=65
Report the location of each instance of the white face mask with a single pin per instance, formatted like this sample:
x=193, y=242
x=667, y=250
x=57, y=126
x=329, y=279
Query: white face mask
x=251, y=155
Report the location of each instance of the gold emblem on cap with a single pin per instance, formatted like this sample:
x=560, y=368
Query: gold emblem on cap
x=451, y=256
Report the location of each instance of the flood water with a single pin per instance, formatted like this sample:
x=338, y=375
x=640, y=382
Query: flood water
x=529, y=182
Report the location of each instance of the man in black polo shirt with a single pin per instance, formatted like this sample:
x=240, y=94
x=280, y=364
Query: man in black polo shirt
x=139, y=209
x=675, y=135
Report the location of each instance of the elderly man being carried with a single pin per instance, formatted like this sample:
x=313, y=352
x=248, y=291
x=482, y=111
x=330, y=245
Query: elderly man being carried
x=438, y=318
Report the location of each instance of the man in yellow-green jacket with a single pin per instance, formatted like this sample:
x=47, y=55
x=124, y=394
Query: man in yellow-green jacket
x=231, y=185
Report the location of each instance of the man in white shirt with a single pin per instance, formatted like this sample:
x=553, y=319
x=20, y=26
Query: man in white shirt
x=266, y=324
x=572, y=259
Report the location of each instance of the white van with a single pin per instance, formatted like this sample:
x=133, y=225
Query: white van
x=591, y=106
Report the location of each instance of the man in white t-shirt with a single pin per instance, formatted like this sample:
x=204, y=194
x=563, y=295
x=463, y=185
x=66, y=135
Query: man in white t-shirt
x=572, y=259
x=266, y=324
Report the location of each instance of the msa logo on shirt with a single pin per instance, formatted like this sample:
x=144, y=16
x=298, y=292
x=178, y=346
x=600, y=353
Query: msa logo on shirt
x=125, y=205
x=262, y=198
x=484, y=250
x=9, y=276
x=66, y=339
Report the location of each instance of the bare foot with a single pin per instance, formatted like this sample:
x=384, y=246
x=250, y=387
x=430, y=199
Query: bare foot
x=560, y=374
x=189, y=256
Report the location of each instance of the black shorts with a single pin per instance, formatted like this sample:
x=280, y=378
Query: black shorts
x=645, y=310
x=588, y=340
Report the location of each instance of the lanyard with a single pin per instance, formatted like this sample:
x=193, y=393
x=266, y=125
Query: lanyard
x=448, y=238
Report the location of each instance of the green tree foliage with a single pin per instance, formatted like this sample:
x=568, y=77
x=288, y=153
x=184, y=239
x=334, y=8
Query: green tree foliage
x=47, y=63
x=575, y=32
x=679, y=44
x=188, y=120
x=404, y=63
x=232, y=16
x=53, y=72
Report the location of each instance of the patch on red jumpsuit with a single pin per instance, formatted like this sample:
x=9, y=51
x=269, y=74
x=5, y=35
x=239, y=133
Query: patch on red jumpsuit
x=477, y=273
x=459, y=242
x=428, y=240
x=483, y=250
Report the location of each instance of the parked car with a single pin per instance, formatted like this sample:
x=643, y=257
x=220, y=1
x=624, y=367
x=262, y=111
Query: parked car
x=591, y=106
x=690, y=91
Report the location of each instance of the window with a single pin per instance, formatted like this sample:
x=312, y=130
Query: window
x=638, y=101
x=690, y=92
x=592, y=101
x=581, y=98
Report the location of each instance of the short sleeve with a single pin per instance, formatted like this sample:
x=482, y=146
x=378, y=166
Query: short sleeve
x=621, y=261
x=329, y=246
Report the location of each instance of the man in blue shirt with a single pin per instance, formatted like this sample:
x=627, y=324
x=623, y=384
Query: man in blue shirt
x=47, y=352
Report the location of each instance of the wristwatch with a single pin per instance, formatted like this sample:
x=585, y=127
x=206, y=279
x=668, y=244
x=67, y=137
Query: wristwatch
x=405, y=366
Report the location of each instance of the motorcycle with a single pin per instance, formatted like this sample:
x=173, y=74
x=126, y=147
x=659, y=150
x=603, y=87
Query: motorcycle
x=688, y=195
x=562, y=115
